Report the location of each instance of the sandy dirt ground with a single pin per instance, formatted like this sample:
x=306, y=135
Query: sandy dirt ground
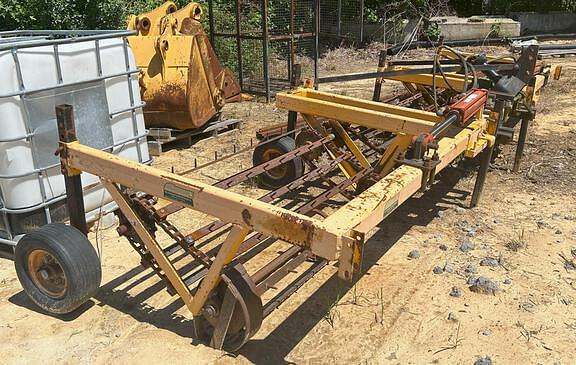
x=522, y=238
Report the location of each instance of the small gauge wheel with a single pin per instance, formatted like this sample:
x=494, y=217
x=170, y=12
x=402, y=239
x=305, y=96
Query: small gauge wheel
x=57, y=267
x=283, y=174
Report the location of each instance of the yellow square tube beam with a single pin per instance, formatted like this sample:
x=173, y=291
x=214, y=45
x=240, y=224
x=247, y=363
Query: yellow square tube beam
x=354, y=111
x=228, y=206
x=371, y=207
x=455, y=80
x=371, y=105
x=500, y=59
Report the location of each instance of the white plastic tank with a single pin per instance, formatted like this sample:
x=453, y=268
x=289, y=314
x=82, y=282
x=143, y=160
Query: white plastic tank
x=96, y=74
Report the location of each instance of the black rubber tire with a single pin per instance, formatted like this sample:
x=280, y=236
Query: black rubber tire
x=292, y=169
x=75, y=255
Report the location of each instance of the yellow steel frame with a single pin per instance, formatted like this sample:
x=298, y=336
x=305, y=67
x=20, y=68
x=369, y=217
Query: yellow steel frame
x=532, y=93
x=390, y=118
x=338, y=237
x=426, y=79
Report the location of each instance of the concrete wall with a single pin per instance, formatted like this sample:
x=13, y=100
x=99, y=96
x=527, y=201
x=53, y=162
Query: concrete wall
x=554, y=22
x=454, y=28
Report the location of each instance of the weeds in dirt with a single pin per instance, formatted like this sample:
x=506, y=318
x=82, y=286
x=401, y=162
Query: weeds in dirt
x=569, y=262
x=332, y=312
x=518, y=242
x=456, y=341
x=526, y=333
x=502, y=263
x=571, y=326
x=357, y=298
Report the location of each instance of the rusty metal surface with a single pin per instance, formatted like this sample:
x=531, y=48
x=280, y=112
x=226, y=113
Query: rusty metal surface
x=261, y=239
x=280, y=267
x=145, y=207
x=193, y=243
x=182, y=81
x=252, y=172
x=373, y=198
x=275, y=130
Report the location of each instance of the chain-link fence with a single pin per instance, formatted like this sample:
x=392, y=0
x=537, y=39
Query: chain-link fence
x=261, y=40
x=342, y=19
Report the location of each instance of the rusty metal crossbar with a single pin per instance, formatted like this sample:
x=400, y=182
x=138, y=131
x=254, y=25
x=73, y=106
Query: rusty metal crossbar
x=307, y=208
x=252, y=172
x=318, y=230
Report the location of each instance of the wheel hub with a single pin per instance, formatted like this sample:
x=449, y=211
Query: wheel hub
x=47, y=273
x=276, y=172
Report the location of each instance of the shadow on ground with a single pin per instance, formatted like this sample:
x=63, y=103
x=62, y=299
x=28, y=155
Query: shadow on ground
x=279, y=343
x=416, y=212
x=21, y=299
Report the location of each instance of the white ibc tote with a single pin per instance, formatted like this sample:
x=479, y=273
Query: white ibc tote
x=95, y=72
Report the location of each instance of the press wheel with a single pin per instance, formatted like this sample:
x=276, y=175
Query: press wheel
x=233, y=314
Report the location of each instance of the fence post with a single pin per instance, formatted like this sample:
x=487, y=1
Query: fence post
x=265, y=45
x=239, y=46
x=361, y=21
x=381, y=67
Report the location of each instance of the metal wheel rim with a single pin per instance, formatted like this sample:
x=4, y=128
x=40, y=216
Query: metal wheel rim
x=47, y=273
x=232, y=341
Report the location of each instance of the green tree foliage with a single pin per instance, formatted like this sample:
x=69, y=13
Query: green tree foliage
x=13, y=13
x=112, y=14
x=72, y=14
x=409, y=8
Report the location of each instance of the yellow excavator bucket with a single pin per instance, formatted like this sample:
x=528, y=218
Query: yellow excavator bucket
x=182, y=81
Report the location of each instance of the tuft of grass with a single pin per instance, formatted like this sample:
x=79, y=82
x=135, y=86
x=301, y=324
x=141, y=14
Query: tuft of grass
x=528, y=334
x=456, y=341
x=357, y=298
x=332, y=312
x=569, y=262
x=518, y=242
x=354, y=295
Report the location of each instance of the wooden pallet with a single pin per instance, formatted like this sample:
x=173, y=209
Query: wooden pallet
x=160, y=138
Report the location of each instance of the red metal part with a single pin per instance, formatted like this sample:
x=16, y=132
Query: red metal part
x=470, y=104
x=425, y=139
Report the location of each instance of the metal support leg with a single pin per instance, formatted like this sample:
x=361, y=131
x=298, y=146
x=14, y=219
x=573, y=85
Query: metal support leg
x=361, y=35
x=265, y=49
x=238, y=44
x=292, y=119
x=521, y=143
x=481, y=178
x=296, y=75
x=225, y=255
x=486, y=157
x=379, y=81
x=72, y=180
x=150, y=243
x=345, y=166
x=316, y=41
x=337, y=127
